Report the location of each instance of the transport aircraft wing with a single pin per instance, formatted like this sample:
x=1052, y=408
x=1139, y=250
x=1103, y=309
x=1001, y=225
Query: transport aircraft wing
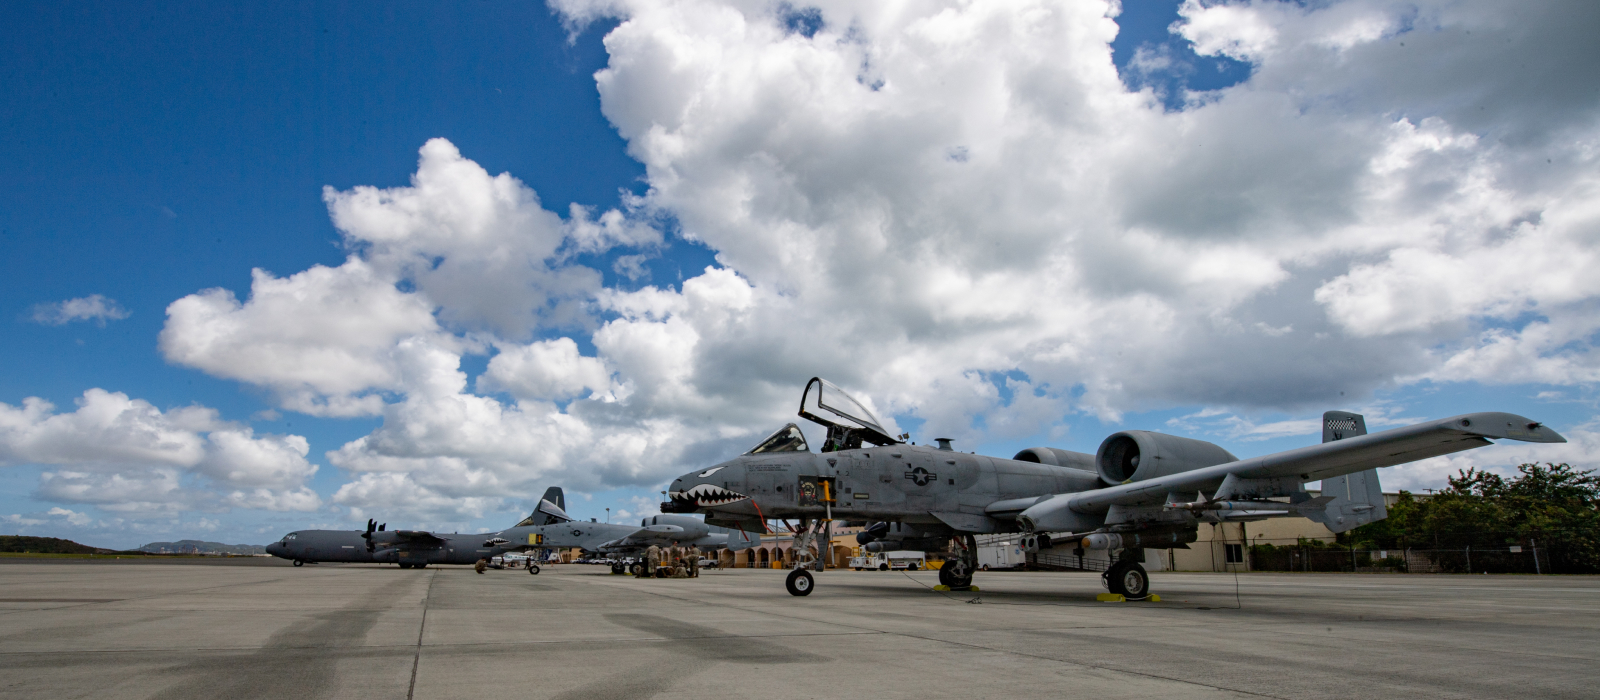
x=1282, y=473
x=418, y=536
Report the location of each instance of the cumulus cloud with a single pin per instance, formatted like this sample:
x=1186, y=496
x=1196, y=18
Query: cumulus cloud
x=323, y=339
x=550, y=369
x=94, y=307
x=123, y=454
x=960, y=211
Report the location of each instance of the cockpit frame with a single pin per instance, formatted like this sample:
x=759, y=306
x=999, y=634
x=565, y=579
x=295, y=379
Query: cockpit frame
x=853, y=422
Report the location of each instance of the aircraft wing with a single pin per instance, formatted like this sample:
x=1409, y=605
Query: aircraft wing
x=418, y=536
x=1329, y=459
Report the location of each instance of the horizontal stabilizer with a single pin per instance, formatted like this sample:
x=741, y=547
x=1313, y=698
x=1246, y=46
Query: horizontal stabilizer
x=1356, y=499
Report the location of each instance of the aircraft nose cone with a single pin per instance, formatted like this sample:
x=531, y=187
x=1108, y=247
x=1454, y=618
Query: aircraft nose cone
x=275, y=549
x=704, y=488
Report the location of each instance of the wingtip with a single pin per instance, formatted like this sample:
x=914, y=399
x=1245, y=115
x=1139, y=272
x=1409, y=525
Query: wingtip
x=1505, y=426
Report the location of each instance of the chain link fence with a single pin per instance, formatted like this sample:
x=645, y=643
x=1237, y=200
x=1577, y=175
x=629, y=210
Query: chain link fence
x=1526, y=556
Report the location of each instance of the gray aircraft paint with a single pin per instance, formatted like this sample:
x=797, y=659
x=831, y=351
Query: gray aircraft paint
x=1137, y=486
x=555, y=530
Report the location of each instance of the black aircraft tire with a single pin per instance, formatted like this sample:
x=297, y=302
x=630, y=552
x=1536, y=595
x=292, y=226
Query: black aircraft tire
x=1111, y=576
x=534, y=569
x=800, y=582
x=945, y=577
x=883, y=567
x=1135, y=581
x=297, y=562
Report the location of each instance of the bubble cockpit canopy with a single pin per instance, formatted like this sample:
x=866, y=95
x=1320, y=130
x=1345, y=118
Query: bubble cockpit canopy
x=787, y=439
x=848, y=421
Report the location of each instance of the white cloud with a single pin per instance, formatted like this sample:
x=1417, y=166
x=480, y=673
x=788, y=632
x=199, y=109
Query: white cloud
x=550, y=369
x=942, y=206
x=323, y=339
x=94, y=307
x=124, y=454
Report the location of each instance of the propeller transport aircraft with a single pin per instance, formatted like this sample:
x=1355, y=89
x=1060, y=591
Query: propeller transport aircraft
x=1139, y=490
x=548, y=527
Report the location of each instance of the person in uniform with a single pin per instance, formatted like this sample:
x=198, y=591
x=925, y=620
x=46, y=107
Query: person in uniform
x=652, y=559
x=481, y=565
x=694, y=562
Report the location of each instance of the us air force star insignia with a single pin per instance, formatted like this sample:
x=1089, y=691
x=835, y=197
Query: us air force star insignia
x=577, y=533
x=921, y=476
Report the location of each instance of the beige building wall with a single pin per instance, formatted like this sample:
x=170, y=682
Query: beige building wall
x=1210, y=552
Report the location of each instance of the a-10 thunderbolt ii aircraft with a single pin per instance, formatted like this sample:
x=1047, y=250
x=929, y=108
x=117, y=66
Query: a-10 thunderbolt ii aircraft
x=554, y=529
x=1140, y=489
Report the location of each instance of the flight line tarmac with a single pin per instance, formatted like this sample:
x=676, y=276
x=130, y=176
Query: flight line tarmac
x=119, y=629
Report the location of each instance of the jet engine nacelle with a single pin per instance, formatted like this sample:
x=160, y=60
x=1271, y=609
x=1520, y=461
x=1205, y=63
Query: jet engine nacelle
x=1136, y=455
x=689, y=528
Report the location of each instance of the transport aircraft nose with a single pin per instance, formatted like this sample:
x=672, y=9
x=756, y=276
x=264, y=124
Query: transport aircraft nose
x=275, y=549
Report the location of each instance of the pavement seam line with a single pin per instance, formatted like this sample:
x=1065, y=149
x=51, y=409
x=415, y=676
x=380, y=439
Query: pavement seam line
x=416, y=659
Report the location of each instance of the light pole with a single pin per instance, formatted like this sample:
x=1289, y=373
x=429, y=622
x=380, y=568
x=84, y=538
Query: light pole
x=608, y=516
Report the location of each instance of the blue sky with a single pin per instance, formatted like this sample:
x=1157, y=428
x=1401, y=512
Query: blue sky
x=156, y=151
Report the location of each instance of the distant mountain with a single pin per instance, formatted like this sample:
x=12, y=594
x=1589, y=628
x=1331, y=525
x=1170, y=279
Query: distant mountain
x=199, y=547
x=44, y=545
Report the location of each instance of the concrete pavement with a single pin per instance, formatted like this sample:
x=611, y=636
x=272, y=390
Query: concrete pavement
x=112, y=630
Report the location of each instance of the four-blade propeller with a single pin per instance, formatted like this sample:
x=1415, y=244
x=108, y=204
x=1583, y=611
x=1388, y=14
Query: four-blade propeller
x=372, y=526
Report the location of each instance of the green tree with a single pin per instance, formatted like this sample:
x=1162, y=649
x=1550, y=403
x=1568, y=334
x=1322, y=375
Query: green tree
x=1554, y=506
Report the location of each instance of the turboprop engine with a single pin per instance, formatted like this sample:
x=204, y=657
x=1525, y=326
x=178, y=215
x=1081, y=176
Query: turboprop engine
x=1136, y=455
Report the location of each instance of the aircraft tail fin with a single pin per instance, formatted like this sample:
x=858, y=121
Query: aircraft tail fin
x=1357, y=498
x=552, y=509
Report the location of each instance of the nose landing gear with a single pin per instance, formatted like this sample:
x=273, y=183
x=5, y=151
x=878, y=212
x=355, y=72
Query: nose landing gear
x=958, y=568
x=799, y=582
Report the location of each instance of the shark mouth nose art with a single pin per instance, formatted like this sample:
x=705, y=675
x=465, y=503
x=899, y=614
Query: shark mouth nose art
x=707, y=495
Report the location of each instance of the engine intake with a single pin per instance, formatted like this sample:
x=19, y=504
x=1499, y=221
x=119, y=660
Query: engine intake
x=1137, y=455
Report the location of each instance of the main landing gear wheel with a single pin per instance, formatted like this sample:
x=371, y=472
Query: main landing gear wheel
x=1128, y=579
x=955, y=573
x=637, y=570
x=800, y=582
x=297, y=562
x=617, y=569
x=533, y=569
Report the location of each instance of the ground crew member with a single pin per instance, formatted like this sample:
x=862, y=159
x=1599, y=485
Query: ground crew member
x=481, y=565
x=652, y=559
x=694, y=562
